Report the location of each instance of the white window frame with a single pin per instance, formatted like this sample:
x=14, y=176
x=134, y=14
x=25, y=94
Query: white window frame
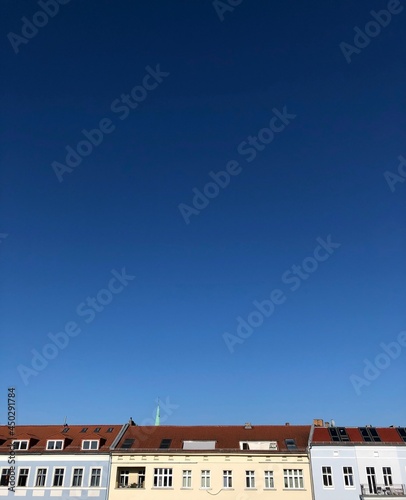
x=293, y=479
x=250, y=479
x=20, y=469
x=5, y=471
x=269, y=480
x=54, y=446
x=387, y=476
x=54, y=477
x=327, y=476
x=124, y=473
x=98, y=476
x=91, y=442
x=45, y=476
x=77, y=476
x=348, y=476
x=227, y=479
x=163, y=477
x=205, y=479
x=187, y=479
x=18, y=444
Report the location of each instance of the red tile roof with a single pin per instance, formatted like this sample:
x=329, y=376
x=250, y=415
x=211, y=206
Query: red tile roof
x=227, y=437
x=387, y=434
x=40, y=434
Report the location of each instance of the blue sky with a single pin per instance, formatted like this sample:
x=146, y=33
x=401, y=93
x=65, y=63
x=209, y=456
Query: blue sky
x=217, y=79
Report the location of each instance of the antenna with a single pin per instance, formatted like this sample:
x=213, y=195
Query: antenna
x=158, y=415
x=333, y=424
x=64, y=422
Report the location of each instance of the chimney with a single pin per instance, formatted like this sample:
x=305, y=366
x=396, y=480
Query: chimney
x=248, y=425
x=287, y=423
x=318, y=422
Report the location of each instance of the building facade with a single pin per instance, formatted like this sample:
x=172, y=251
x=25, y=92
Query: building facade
x=235, y=462
x=56, y=461
x=353, y=463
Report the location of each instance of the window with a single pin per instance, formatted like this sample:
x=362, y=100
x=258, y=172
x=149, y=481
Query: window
x=123, y=479
x=90, y=445
x=269, y=479
x=369, y=434
x=165, y=443
x=338, y=434
x=387, y=476
x=65, y=430
x=97, y=429
x=55, y=445
x=290, y=444
x=84, y=429
x=22, y=477
x=327, y=477
x=5, y=477
x=402, y=433
x=249, y=479
x=58, y=477
x=77, y=477
x=20, y=445
x=41, y=477
x=227, y=479
x=293, y=479
x=95, y=475
x=110, y=429
x=258, y=445
x=162, y=478
x=371, y=480
x=187, y=479
x=127, y=443
x=205, y=479
x=348, y=476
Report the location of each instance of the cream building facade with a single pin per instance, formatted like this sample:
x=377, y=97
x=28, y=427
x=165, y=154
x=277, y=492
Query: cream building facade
x=238, y=462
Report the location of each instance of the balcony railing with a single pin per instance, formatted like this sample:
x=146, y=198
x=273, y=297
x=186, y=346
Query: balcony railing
x=394, y=490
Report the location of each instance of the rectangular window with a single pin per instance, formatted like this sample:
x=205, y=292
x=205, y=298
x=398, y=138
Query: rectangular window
x=348, y=476
x=127, y=443
x=77, y=477
x=55, y=445
x=20, y=445
x=269, y=483
x=387, y=476
x=90, y=444
x=41, y=477
x=327, y=477
x=163, y=478
x=369, y=434
x=290, y=444
x=371, y=480
x=165, y=443
x=249, y=479
x=58, y=477
x=187, y=479
x=22, y=477
x=293, y=479
x=123, y=478
x=95, y=475
x=5, y=477
x=205, y=479
x=227, y=479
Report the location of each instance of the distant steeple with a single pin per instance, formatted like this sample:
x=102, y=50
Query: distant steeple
x=158, y=415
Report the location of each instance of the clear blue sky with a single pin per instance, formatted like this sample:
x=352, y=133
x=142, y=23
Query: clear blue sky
x=322, y=174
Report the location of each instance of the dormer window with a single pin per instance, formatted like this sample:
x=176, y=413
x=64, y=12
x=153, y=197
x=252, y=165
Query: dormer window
x=55, y=444
x=20, y=445
x=90, y=444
